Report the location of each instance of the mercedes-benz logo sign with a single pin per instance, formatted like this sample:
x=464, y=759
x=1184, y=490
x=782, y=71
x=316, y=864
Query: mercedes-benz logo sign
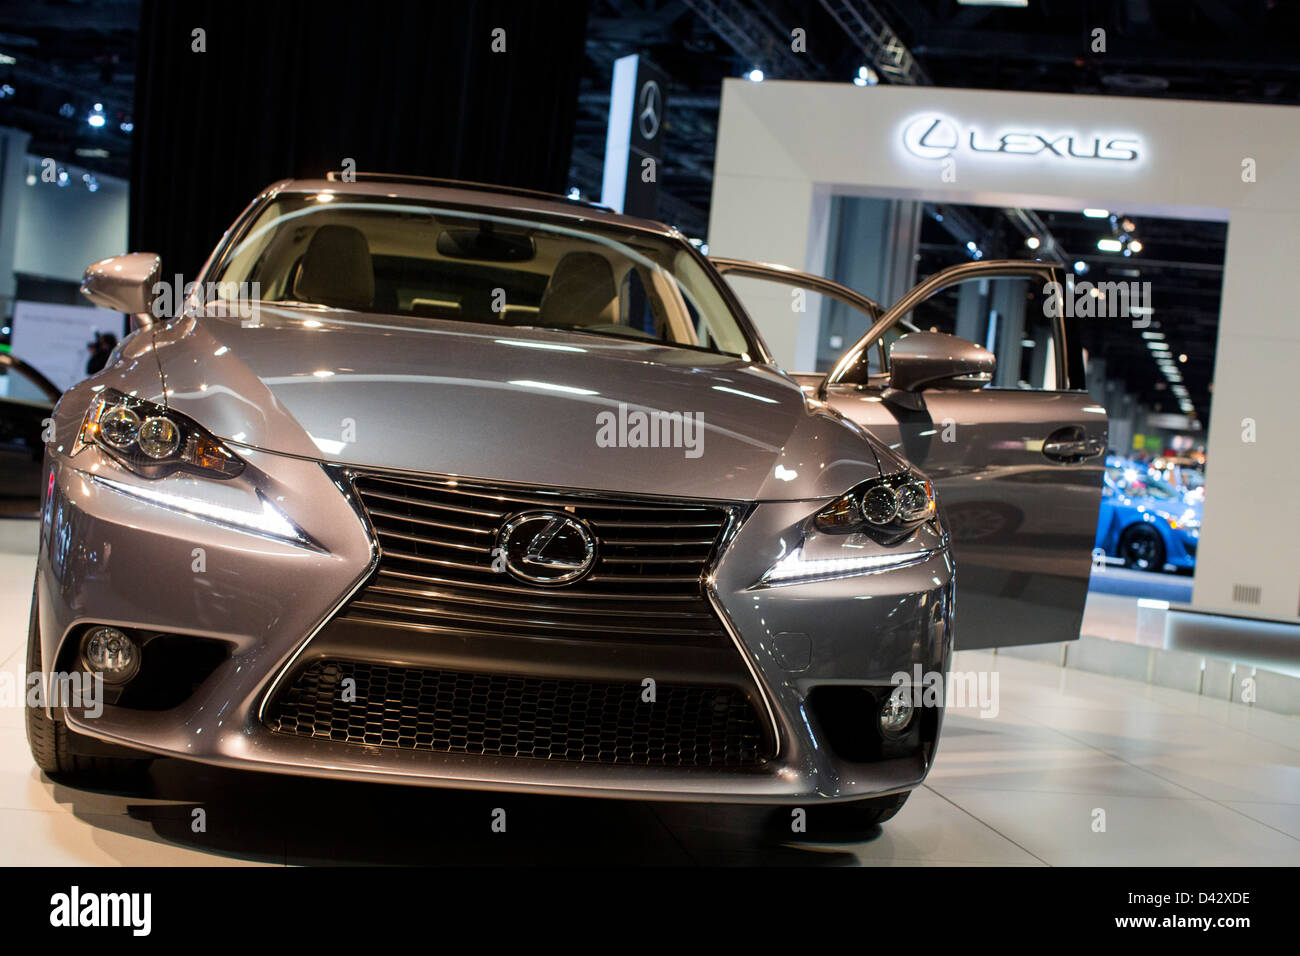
x=930, y=137
x=650, y=102
x=547, y=547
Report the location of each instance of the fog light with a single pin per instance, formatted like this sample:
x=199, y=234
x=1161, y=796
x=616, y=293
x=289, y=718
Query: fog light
x=896, y=712
x=110, y=652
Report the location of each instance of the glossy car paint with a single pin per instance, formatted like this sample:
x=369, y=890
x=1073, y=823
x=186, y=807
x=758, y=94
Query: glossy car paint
x=1120, y=512
x=1018, y=471
x=438, y=398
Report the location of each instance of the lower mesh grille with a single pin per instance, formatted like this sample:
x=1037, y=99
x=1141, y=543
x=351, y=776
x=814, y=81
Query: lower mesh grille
x=514, y=716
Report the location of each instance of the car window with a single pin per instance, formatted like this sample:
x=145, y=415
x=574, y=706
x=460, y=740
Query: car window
x=17, y=385
x=1135, y=484
x=1007, y=315
x=372, y=255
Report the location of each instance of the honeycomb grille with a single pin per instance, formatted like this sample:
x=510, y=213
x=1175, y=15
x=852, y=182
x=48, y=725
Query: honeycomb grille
x=545, y=718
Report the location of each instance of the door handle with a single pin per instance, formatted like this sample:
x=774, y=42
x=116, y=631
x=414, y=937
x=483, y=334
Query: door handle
x=1071, y=445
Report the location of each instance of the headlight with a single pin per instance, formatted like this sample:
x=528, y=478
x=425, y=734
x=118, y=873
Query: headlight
x=887, y=508
x=153, y=441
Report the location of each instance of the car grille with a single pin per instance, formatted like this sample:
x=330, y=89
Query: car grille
x=447, y=711
x=435, y=566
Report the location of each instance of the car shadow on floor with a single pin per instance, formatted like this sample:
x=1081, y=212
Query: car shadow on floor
x=271, y=818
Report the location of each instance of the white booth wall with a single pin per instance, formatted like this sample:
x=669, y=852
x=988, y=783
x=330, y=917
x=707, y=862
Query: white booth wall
x=784, y=148
x=63, y=229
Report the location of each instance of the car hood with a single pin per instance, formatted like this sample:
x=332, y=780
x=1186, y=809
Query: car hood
x=536, y=406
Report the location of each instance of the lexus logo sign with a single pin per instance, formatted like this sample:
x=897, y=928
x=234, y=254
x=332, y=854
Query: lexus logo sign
x=930, y=136
x=547, y=547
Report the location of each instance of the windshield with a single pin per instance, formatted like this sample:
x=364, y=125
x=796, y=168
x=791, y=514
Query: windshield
x=400, y=257
x=1136, y=485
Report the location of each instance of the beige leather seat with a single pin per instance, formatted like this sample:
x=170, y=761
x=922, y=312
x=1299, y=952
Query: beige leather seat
x=336, y=270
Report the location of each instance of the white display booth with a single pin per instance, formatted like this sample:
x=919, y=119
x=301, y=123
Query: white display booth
x=784, y=148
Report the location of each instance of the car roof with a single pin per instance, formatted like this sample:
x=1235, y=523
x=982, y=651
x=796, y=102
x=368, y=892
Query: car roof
x=482, y=195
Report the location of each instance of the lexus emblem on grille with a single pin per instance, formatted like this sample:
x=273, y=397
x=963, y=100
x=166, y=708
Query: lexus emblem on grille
x=547, y=547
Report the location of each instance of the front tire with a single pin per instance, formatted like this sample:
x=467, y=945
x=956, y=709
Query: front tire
x=54, y=747
x=1142, y=548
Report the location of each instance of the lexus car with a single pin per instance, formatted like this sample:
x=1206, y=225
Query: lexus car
x=442, y=484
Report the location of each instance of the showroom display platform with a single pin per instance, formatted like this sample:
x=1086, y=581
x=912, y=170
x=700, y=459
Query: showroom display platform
x=1183, y=780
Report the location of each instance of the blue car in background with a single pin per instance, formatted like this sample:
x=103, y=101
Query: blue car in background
x=1144, y=521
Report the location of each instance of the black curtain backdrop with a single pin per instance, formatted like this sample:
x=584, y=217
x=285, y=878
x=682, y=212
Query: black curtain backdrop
x=293, y=87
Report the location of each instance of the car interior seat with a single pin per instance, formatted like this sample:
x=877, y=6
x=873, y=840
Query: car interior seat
x=336, y=270
x=581, y=292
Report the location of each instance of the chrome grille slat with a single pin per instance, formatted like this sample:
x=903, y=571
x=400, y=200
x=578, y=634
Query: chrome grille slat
x=478, y=600
x=446, y=525
x=645, y=578
x=453, y=618
x=436, y=542
x=438, y=562
x=655, y=542
x=435, y=566
x=607, y=559
x=598, y=524
x=496, y=515
x=567, y=594
x=544, y=499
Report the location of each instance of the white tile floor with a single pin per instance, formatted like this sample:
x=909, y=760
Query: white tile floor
x=1182, y=780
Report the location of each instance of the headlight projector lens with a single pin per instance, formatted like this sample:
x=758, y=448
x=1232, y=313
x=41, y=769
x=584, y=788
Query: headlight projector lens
x=119, y=426
x=159, y=437
x=108, y=651
x=880, y=505
x=913, y=500
x=896, y=712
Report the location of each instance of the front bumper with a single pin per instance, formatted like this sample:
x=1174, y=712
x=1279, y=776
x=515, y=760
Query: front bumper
x=110, y=558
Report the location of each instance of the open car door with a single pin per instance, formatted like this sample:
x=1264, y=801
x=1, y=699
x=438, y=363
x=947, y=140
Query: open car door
x=1006, y=432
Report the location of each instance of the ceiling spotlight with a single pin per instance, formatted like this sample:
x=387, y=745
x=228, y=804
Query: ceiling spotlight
x=575, y=192
x=1097, y=213
x=1182, y=356
x=1109, y=245
x=1135, y=245
x=1127, y=225
x=1080, y=267
x=1033, y=242
x=67, y=111
x=96, y=116
x=126, y=127
x=866, y=77
x=755, y=75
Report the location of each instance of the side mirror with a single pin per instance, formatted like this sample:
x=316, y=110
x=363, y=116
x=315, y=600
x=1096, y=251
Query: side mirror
x=921, y=360
x=124, y=283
